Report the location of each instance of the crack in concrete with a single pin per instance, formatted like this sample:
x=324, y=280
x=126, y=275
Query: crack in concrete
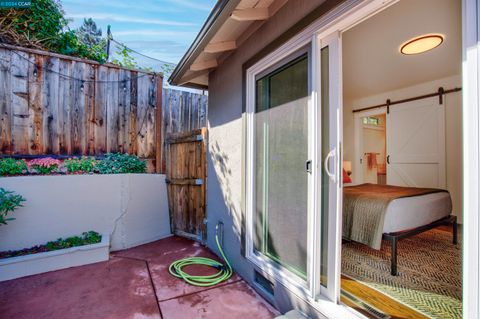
x=124, y=200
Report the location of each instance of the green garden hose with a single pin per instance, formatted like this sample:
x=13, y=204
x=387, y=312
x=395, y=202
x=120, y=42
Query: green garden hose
x=224, y=271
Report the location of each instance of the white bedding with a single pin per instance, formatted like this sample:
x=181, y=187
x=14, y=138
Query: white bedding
x=410, y=212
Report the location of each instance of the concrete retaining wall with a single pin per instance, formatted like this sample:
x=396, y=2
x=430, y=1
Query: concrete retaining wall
x=131, y=208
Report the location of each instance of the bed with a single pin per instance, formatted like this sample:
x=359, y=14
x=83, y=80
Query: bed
x=374, y=212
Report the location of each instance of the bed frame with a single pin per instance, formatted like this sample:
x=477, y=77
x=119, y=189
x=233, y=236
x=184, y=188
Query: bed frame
x=393, y=238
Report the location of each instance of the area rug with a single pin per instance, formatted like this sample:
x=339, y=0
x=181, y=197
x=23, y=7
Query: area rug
x=429, y=272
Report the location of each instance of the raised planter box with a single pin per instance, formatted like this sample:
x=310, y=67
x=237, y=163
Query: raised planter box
x=21, y=266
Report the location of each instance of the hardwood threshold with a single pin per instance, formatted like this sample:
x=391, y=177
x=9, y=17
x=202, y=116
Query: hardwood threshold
x=370, y=298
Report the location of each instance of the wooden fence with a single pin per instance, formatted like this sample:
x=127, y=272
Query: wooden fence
x=60, y=105
x=184, y=111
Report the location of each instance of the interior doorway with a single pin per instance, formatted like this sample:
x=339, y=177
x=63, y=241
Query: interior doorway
x=402, y=118
x=371, y=134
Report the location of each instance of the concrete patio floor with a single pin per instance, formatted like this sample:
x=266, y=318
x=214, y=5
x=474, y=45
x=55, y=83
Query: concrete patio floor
x=133, y=284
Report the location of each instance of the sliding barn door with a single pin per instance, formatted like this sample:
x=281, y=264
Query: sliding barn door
x=416, y=144
x=186, y=183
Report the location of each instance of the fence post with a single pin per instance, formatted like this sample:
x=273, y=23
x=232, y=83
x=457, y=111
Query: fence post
x=158, y=125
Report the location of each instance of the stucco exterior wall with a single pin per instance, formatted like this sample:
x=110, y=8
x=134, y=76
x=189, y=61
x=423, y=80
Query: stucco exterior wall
x=131, y=208
x=224, y=196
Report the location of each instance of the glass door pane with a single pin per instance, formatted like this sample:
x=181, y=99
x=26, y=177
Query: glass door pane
x=329, y=192
x=281, y=167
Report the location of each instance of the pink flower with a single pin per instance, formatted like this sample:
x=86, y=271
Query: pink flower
x=44, y=162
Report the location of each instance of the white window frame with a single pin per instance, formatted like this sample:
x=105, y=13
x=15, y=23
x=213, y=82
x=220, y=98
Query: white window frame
x=293, y=282
x=342, y=18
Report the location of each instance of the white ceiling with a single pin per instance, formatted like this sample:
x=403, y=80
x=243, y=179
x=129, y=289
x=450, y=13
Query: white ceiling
x=372, y=63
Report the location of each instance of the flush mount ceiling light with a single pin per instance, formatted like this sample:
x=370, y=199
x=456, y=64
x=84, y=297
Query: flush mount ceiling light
x=421, y=44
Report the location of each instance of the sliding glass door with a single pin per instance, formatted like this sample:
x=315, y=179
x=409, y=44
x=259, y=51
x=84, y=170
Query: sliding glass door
x=282, y=163
x=292, y=168
x=329, y=193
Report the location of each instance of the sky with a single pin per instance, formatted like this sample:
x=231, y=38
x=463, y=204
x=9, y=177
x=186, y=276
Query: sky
x=163, y=29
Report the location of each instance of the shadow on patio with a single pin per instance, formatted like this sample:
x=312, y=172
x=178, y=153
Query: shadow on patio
x=134, y=283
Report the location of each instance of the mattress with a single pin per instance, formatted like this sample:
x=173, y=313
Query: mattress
x=411, y=212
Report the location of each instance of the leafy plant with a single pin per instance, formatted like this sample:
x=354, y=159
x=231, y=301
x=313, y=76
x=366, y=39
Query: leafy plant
x=80, y=165
x=11, y=166
x=117, y=163
x=37, y=26
x=125, y=59
x=9, y=201
x=70, y=44
x=44, y=26
x=44, y=166
x=86, y=238
x=167, y=69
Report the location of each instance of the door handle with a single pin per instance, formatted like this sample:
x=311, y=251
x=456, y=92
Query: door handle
x=388, y=159
x=331, y=175
x=308, y=166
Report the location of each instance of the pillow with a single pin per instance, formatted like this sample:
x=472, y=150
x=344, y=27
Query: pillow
x=346, y=178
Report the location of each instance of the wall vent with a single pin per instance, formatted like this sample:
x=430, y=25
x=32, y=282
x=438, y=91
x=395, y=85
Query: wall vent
x=264, y=283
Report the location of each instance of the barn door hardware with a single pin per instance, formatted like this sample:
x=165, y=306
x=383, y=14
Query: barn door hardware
x=441, y=93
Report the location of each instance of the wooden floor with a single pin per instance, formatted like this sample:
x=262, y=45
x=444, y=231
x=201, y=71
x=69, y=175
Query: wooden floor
x=366, y=298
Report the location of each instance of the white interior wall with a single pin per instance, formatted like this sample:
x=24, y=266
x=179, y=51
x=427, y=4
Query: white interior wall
x=453, y=102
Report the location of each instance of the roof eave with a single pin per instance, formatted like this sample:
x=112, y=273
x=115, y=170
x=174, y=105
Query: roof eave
x=217, y=17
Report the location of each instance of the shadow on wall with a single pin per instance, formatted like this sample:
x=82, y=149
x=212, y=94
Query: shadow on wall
x=224, y=200
x=224, y=210
x=222, y=206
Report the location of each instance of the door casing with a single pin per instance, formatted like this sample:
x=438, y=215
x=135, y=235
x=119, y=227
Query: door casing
x=343, y=17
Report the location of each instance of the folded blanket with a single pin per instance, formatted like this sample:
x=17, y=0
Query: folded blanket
x=365, y=206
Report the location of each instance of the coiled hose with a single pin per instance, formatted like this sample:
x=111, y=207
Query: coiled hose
x=224, y=271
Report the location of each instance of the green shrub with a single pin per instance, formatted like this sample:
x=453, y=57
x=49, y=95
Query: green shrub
x=69, y=43
x=11, y=166
x=80, y=165
x=37, y=26
x=117, y=163
x=9, y=201
x=87, y=238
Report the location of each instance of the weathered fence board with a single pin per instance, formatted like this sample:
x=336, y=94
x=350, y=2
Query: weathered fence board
x=19, y=99
x=124, y=113
x=59, y=105
x=184, y=111
x=5, y=107
x=64, y=108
